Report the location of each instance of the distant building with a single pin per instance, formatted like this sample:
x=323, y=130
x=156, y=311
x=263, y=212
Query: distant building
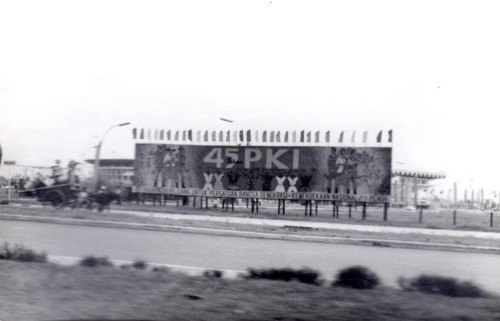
x=415, y=188
x=116, y=171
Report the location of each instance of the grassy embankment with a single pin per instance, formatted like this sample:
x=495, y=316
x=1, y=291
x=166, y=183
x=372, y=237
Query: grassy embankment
x=43, y=291
x=471, y=221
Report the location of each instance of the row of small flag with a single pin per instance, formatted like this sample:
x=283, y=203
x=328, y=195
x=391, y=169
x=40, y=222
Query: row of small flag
x=240, y=136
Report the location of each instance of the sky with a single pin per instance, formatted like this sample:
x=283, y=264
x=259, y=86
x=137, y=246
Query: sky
x=428, y=70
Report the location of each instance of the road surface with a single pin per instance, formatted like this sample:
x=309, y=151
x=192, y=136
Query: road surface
x=196, y=251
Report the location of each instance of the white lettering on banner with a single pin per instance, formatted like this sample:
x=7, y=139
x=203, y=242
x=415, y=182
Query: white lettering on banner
x=265, y=195
x=214, y=157
x=252, y=155
x=272, y=159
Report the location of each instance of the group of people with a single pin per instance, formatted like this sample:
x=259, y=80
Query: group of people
x=169, y=166
x=342, y=171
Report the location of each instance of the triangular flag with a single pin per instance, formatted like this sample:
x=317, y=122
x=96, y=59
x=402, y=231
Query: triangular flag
x=264, y=137
x=205, y=136
x=327, y=136
x=176, y=135
x=341, y=137
x=184, y=135
x=278, y=138
x=235, y=136
x=379, y=137
x=142, y=133
x=308, y=137
x=294, y=136
x=302, y=136
x=190, y=135
x=286, y=137
x=198, y=136
x=316, y=138
x=271, y=136
x=257, y=136
x=214, y=136
x=149, y=134
x=353, y=137
x=249, y=135
x=242, y=136
x=389, y=138
x=156, y=134
x=134, y=133
x=162, y=134
x=365, y=137
x=228, y=136
x=221, y=136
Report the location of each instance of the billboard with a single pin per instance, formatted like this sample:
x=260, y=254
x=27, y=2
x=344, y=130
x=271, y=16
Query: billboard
x=272, y=172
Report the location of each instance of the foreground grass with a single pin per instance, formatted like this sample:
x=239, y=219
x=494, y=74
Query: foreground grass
x=35, y=291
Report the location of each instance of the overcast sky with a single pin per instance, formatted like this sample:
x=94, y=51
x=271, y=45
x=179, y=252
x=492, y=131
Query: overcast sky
x=429, y=70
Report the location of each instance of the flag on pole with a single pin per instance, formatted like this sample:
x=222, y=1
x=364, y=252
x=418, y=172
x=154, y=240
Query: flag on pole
x=294, y=136
x=221, y=136
x=176, y=135
x=249, y=136
x=286, y=137
x=257, y=136
x=327, y=136
x=271, y=137
x=149, y=133
x=169, y=135
x=353, y=137
x=278, y=137
x=235, y=136
x=341, y=137
x=316, y=137
x=198, y=136
x=242, y=136
x=214, y=136
x=142, y=133
x=184, y=135
x=365, y=137
x=205, y=136
x=389, y=138
x=156, y=134
x=190, y=135
x=134, y=133
x=228, y=136
x=162, y=134
x=302, y=136
x=308, y=137
x=264, y=137
x=379, y=137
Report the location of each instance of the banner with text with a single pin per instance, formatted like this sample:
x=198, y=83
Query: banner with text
x=281, y=172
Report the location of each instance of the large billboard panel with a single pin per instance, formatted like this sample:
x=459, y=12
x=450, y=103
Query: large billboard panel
x=280, y=172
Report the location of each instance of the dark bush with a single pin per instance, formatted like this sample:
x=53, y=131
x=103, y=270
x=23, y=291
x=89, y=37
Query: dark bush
x=21, y=254
x=139, y=265
x=441, y=285
x=304, y=275
x=356, y=277
x=213, y=274
x=92, y=261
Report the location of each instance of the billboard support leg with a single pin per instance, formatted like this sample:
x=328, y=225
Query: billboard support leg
x=283, y=206
x=232, y=204
x=385, y=211
x=350, y=210
x=316, y=208
x=206, y=202
x=279, y=207
x=333, y=209
x=364, y=211
x=310, y=208
x=194, y=201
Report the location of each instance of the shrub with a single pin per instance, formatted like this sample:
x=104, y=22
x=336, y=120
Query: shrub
x=213, y=274
x=92, y=261
x=162, y=269
x=441, y=285
x=304, y=275
x=356, y=277
x=139, y=265
x=21, y=254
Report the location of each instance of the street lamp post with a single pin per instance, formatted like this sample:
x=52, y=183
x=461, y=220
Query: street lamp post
x=98, y=152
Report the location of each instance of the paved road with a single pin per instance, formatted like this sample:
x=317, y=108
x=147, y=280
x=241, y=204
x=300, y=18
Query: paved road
x=237, y=254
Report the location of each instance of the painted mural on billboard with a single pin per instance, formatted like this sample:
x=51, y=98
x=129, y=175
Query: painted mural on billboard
x=296, y=172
